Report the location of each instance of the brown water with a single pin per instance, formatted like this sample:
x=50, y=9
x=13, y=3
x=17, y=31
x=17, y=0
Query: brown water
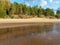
x=33, y=35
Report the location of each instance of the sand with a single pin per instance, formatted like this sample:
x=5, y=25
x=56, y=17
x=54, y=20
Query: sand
x=8, y=23
x=28, y=20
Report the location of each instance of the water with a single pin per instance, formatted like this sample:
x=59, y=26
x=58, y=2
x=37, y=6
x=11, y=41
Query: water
x=47, y=34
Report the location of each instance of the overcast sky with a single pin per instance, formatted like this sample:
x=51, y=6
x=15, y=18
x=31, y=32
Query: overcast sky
x=44, y=3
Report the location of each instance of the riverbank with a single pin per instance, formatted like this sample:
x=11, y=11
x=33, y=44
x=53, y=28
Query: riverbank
x=8, y=23
x=29, y=20
x=16, y=27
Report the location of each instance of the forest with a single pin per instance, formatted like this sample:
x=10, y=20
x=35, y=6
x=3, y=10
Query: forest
x=21, y=10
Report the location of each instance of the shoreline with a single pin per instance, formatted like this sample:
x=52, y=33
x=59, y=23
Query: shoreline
x=9, y=23
x=30, y=20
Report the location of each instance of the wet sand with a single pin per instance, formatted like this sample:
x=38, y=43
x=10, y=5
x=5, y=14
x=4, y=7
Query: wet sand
x=6, y=23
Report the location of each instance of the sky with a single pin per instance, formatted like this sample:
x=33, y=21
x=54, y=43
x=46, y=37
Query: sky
x=53, y=4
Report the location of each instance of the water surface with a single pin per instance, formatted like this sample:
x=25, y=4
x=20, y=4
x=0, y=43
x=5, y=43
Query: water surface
x=33, y=35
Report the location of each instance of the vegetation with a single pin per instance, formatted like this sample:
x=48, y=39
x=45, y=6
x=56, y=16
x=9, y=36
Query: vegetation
x=58, y=14
x=16, y=10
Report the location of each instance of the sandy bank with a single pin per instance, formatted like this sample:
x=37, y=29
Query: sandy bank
x=8, y=23
x=28, y=20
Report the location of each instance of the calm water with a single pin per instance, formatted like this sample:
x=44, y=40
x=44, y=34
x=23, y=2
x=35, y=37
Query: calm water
x=47, y=34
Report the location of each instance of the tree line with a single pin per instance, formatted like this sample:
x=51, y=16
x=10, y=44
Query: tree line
x=7, y=9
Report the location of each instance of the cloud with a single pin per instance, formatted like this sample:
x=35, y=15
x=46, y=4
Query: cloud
x=51, y=1
x=33, y=1
x=56, y=3
x=29, y=0
x=43, y=3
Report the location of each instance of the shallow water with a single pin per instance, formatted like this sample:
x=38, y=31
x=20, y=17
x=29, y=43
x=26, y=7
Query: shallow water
x=34, y=35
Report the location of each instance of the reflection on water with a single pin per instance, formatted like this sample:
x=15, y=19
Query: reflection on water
x=47, y=34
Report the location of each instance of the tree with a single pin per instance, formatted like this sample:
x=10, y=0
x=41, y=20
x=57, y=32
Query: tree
x=21, y=8
x=35, y=10
x=58, y=14
x=2, y=11
x=8, y=8
x=11, y=9
x=16, y=6
x=28, y=10
x=5, y=5
x=40, y=11
x=49, y=12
